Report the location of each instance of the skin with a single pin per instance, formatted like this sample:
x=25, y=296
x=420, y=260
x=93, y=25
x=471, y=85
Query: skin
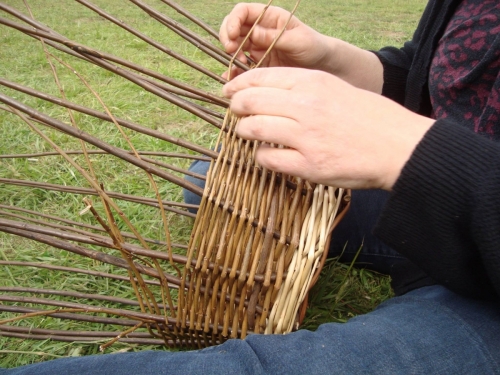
x=336, y=127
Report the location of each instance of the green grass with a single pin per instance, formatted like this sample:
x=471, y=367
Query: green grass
x=340, y=293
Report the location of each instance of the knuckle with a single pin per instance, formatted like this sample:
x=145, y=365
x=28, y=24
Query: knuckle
x=313, y=102
x=273, y=164
x=257, y=127
x=256, y=76
x=317, y=78
x=240, y=7
x=251, y=128
x=244, y=103
x=268, y=159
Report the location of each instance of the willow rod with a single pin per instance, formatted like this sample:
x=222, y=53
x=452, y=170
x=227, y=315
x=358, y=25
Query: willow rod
x=80, y=250
x=64, y=228
x=87, y=308
x=63, y=40
x=13, y=331
x=65, y=293
x=79, y=134
x=32, y=157
x=100, y=152
x=105, y=258
x=70, y=316
x=198, y=22
x=192, y=18
x=200, y=94
x=83, y=225
x=95, y=58
x=190, y=36
x=103, y=116
x=153, y=88
x=142, y=200
x=88, y=191
x=153, y=43
x=184, y=88
x=125, y=123
x=166, y=50
x=73, y=270
x=76, y=333
x=82, y=336
x=28, y=20
x=94, y=239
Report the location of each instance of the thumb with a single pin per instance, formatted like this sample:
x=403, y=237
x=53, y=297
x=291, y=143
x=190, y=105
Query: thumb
x=262, y=37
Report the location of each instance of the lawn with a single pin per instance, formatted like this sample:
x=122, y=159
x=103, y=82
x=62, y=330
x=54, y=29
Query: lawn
x=341, y=292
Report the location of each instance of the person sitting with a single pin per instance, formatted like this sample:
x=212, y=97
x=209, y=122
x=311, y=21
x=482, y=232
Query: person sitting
x=419, y=122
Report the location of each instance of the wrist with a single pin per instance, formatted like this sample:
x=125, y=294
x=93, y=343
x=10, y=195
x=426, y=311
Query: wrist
x=359, y=67
x=331, y=61
x=405, y=144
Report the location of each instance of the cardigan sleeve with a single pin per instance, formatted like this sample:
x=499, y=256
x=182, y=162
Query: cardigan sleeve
x=396, y=63
x=444, y=210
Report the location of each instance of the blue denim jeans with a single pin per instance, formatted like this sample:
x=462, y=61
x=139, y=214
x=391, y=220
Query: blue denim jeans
x=427, y=331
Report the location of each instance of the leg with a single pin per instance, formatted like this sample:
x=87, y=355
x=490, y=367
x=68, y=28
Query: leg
x=200, y=167
x=427, y=331
x=354, y=232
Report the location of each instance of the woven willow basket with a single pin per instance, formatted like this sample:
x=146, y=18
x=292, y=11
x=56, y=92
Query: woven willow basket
x=258, y=240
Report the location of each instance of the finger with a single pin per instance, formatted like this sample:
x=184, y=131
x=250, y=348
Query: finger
x=283, y=160
x=292, y=162
x=223, y=38
x=231, y=44
x=242, y=18
x=242, y=14
x=282, y=78
x=270, y=129
x=265, y=101
x=231, y=28
x=263, y=37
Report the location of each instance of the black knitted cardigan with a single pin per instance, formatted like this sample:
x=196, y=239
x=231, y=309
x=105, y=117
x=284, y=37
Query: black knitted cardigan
x=444, y=211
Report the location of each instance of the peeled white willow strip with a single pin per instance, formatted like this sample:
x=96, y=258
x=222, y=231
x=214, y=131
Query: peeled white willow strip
x=312, y=244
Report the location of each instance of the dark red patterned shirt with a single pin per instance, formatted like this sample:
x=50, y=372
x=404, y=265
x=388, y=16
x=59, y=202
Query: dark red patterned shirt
x=464, y=80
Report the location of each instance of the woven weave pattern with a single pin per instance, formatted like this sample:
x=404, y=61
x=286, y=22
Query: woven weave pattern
x=263, y=234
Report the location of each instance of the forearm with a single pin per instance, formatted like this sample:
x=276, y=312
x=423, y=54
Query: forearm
x=359, y=67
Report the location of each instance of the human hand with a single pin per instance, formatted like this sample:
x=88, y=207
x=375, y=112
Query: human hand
x=335, y=133
x=299, y=46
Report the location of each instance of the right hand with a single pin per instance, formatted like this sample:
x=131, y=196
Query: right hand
x=335, y=134
x=299, y=46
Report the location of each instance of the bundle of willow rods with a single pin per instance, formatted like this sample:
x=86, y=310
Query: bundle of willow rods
x=257, y=244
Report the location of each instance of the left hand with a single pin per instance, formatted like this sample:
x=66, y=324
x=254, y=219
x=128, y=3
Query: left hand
x=335, y=134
